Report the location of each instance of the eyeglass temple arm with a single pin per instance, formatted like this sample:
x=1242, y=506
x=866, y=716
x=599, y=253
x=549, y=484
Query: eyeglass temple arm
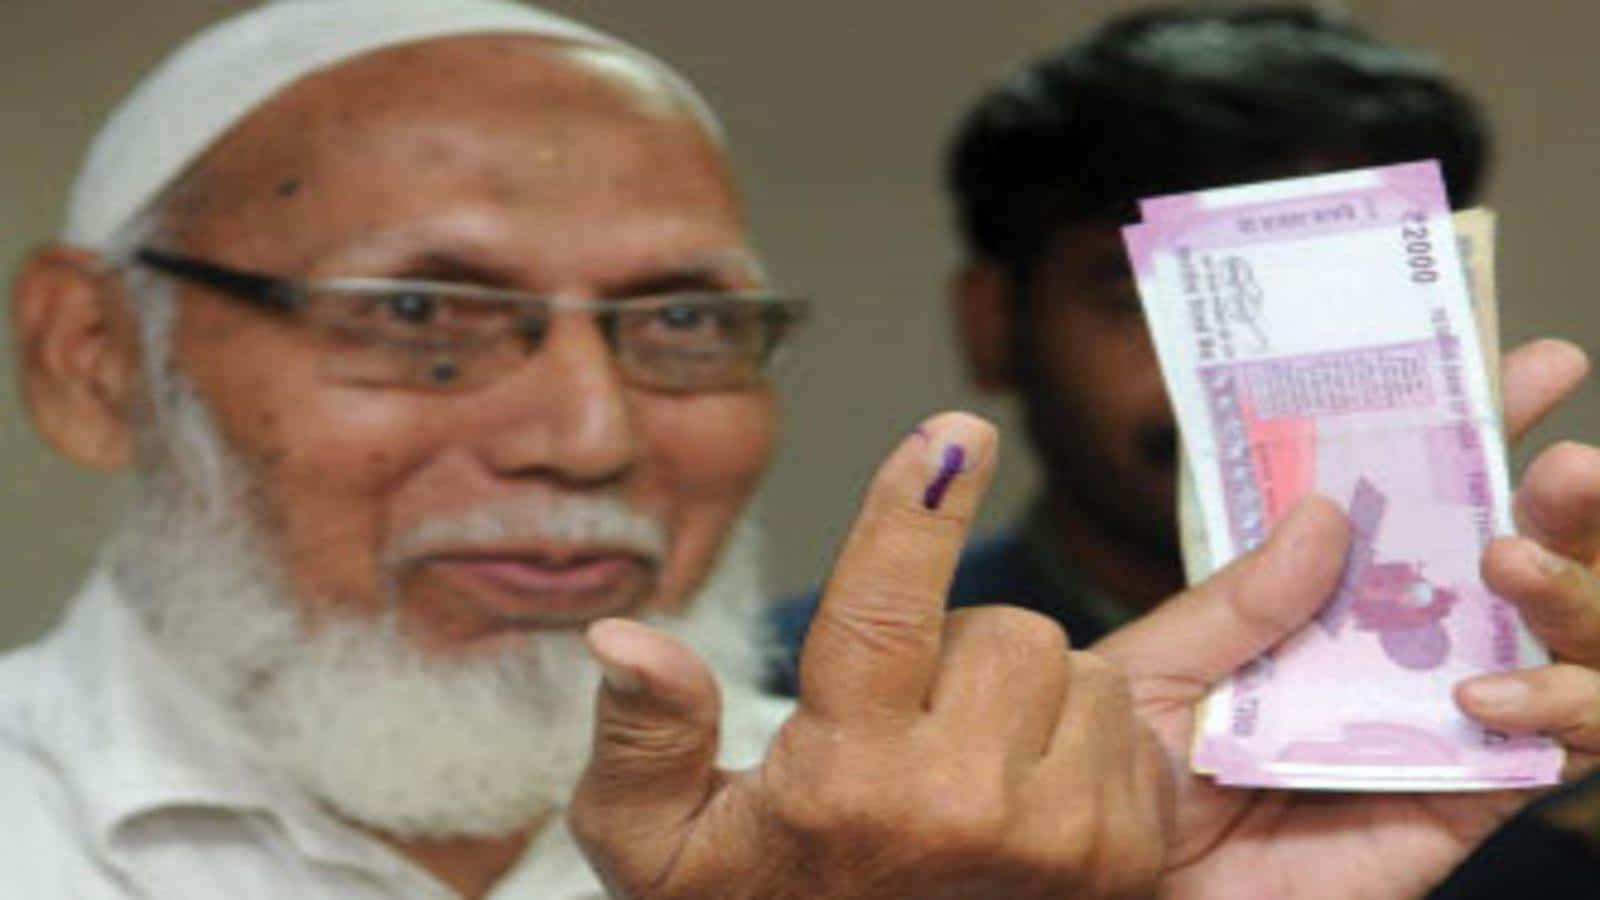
x=260, y=290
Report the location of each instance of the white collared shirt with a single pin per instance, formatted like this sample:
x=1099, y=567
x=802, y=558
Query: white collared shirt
x=117, y=779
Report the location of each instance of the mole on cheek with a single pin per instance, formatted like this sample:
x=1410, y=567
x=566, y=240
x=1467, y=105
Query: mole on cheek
x=289, y=187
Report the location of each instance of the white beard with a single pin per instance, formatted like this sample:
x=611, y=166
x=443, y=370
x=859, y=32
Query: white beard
x=405, y=742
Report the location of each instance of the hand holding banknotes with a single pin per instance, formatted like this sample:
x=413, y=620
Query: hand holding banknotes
x=1552, y=572
x=931, y=756
x=1231, y=842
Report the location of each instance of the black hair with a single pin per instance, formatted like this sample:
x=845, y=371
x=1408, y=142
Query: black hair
x=1180, y=98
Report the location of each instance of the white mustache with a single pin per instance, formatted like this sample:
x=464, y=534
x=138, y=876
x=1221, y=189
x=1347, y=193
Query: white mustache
x=598, y=520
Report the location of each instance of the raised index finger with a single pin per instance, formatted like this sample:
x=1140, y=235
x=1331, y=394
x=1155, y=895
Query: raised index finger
x=874, y=644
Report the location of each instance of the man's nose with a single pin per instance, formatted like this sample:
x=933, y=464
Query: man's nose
x=565, y=413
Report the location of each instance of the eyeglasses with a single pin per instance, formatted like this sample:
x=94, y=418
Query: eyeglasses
x=442, y=336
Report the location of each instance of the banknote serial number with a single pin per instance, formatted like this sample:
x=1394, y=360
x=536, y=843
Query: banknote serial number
x=1418, y=242
x=1293, y=220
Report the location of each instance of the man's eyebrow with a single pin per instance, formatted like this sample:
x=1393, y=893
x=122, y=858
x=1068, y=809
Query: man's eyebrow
x=715, y=271
x=718, y=270
x=441, y=265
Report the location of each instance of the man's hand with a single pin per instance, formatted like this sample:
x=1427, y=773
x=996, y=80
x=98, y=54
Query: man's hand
x=931, y=757
x=1230, y=842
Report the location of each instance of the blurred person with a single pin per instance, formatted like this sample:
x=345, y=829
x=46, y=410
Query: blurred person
x=1046, y=168
x=432, y=336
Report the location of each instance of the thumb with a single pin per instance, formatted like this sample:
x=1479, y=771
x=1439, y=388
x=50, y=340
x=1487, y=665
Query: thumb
x=653, y=760
x=1203, y=634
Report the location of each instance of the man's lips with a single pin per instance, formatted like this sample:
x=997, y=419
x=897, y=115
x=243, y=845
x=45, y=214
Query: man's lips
x=545, y=589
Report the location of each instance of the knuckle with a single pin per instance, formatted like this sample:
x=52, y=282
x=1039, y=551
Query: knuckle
x=1113, y=861
x=836, y=808
x=1578, y=454
x=1138, y=868
x=966, y=824
x=1573, y=618
x=1064, y=864
x=1572, y=466
x=951, y=817
x=631, y=742
x=1020, y=632
x=1582, y=726
x=883, y=616
x=586, y=823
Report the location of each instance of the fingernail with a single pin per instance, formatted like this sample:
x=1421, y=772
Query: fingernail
x=620, y=680
x=1502, y=695
x=1547, y=562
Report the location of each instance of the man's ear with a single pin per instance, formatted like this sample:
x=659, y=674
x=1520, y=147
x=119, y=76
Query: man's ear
x=980, y=295
x=77, y=356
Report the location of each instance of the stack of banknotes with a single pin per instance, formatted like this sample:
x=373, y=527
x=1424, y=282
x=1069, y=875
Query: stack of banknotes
x=1319, y=335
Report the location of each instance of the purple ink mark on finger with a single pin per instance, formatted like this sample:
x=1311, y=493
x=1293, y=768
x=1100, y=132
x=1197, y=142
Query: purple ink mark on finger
x=954, y=463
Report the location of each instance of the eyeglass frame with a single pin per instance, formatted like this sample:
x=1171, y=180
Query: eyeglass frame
x=286, y=296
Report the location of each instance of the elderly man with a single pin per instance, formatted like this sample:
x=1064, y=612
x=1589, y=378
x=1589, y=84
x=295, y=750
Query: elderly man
x=432, y=335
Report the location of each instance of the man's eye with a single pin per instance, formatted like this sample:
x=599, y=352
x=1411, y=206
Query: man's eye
x=685, y=326
x=683, y=317
x=411, y=306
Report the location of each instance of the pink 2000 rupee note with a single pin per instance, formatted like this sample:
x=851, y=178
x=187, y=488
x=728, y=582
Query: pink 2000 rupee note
x=1316, y=336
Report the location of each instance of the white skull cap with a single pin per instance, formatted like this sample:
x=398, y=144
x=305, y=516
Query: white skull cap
x=222, y=74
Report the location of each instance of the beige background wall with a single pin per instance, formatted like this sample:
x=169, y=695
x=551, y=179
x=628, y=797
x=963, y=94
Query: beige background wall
x=837, y=110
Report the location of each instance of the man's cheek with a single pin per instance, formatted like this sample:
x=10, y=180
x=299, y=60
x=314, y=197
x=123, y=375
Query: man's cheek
x=357, y=439
x=712, y=446
x=329, y=499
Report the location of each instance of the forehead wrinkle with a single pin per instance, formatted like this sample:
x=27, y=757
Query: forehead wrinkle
x=472, y=240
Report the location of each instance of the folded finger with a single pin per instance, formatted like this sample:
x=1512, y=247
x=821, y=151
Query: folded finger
x=1002, y=677
x=1094, y=726
x=1535, y=378
x=1558, y=501
x=1562, y=701
x=1105, y=774
x=1557, y=598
